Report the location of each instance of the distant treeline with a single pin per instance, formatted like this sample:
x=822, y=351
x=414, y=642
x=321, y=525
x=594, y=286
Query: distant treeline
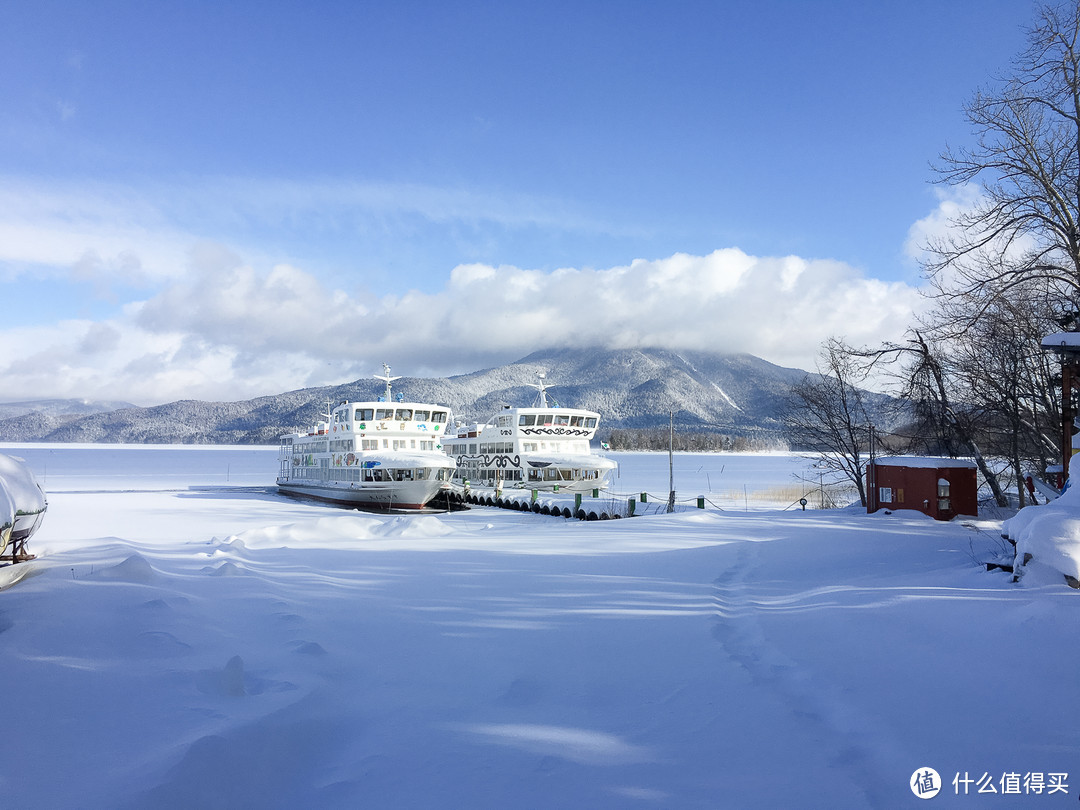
x=659, y=439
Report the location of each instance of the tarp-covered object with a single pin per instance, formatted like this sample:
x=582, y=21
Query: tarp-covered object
x=22, y=501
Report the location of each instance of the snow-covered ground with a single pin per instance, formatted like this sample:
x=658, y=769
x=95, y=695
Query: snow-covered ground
x=188, y=639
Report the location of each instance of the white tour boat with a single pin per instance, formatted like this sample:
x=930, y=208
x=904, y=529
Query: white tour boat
x=544, y=447
x=380, y=454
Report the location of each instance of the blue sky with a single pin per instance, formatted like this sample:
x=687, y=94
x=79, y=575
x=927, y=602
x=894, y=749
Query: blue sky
x=219, y=200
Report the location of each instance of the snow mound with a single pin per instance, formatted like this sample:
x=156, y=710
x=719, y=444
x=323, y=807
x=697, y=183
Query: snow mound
x=225, y=682
x=341, y=532
x=226, y=569
x=134, y=569
x=1049, y=533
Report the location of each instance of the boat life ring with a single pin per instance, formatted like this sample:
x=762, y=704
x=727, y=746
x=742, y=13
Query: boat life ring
x=350, y=459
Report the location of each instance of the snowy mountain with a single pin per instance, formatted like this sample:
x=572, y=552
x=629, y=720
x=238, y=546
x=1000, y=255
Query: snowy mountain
x=58, y=407
x=633, y=388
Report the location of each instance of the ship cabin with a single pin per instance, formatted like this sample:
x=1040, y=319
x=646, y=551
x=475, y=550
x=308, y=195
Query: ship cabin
x=354, y=429
x=540, y=447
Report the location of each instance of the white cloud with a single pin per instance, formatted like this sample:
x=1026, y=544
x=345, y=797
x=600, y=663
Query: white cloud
x=938, y=224
x=228, y=331
x=99, y=233
x=941, y=227
x=215, y=323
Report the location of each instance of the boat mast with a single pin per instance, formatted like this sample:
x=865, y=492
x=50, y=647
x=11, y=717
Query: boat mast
x=542, y=388
x=385, y=376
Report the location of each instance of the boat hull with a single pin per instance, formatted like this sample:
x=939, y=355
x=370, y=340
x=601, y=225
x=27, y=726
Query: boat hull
x=390, y=495
x=562, y=473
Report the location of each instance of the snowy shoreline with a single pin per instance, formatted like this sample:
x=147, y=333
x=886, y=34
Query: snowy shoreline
x=224, y=646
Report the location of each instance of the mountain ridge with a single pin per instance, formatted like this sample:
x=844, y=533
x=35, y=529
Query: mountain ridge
x=737, y=394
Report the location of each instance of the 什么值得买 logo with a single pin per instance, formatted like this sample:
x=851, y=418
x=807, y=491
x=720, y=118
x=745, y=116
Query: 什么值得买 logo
x=925, y=783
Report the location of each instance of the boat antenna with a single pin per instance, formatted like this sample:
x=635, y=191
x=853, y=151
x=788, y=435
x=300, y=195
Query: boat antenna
x=385, y=376
x=541, y=386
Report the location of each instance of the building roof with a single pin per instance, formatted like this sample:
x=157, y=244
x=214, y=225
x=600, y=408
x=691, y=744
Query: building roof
x=925, y=462
x=1063, y=342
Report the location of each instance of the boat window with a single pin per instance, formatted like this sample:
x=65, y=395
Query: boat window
x=403, y=414
x=562, y=419
x=544, y=419
x=504, y=421
x=575, y=421
x=438, y=416
x=590, y=421
x=472, y=448
x=364, y=414
x=527, y=420
x=528, y=447
x=369, y=444
x=384, y=413
x=421, y=416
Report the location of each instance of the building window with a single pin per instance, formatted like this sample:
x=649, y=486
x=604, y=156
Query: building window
x=944, y=503
x=885, y=494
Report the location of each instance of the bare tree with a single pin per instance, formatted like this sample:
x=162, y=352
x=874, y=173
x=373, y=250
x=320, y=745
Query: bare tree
x=1011, y=383
x=1012, y=257
x=828, y=413
x=1026, y=224
x=925, y=377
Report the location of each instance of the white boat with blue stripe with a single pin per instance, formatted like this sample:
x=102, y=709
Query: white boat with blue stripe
x=383, y=454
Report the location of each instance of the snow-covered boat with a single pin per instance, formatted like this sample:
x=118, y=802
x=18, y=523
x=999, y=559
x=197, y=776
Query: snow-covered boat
x=543, y=447
x=382, y=454
x=22, y=505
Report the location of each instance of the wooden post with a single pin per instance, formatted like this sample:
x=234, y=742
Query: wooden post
x=1068, y=413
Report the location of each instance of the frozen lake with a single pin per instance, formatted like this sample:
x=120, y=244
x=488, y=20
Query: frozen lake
x=726, y=480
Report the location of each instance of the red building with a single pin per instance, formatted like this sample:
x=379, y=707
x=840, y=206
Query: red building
x=939, y=487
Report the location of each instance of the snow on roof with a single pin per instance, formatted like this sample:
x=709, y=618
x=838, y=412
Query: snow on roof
x=1062, y=342
x=925, y=462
